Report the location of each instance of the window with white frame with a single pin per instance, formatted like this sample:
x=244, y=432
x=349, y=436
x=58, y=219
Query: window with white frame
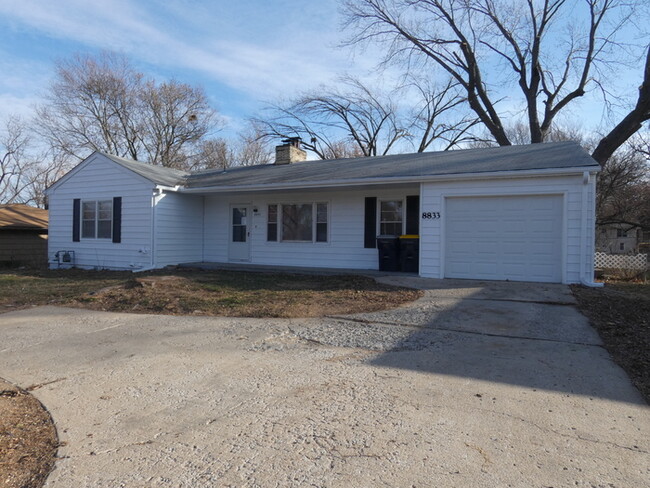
x=391, y=217
x=272, y=223
x=96, y=219
x=297, y=222
x=321, y=222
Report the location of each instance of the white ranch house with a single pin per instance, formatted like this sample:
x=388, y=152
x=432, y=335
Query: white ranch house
x=523, y=213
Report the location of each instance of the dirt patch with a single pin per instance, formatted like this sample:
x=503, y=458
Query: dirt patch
x=196, y=292
x=239, y=294
x=620, y=312
x=28, y=440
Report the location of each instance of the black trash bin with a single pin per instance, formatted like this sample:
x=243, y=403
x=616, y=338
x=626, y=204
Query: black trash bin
x=388, y=247
x=409, y=253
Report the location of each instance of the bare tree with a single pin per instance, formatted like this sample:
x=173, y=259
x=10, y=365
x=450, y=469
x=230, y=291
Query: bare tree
x=213, y=154
x=464, y=37
x=357, y=120
x=15, y=162
x=24, y=174
x=251, y=149
x=623, y=190
x=41, y=176
x=630, y=124
x=247, y=149
x=93, y=105
x=518, y=134
x=174, y=116
x=102, y=103
x=331, y=119
x=430, y=122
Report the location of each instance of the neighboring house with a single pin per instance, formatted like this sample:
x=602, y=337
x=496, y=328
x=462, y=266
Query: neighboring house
x=620, y=239
x=23, y=235
x=521, y=213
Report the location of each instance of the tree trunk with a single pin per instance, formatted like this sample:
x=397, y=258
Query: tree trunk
x=630, y=124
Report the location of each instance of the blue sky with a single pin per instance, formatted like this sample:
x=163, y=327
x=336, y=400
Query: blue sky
x=242, y=52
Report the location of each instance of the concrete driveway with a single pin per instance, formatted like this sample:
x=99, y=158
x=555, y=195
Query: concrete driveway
x=477, y=384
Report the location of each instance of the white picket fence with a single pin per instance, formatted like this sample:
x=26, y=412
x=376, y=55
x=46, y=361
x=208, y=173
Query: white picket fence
x=621, y=261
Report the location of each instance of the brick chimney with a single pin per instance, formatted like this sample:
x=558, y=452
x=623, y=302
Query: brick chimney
x=290, y=151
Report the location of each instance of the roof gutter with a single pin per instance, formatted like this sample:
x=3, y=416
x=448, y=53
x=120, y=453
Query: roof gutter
x=168, y=188
x=394, y=180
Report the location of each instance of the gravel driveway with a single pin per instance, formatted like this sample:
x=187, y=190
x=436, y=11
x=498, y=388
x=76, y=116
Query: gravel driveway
x=476, y=384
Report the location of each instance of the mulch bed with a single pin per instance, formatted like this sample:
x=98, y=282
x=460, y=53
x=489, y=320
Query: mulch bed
x=620, y=312
x=28, y=439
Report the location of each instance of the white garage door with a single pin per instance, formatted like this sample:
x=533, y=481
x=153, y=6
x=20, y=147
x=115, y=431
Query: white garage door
x=515, y=238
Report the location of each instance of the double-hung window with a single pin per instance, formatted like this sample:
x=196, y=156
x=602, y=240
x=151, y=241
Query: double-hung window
x=391, y=217
x=96, y=219
x=297, y=222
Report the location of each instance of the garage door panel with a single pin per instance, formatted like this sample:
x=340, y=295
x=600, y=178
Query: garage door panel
x=504, y=238
x=486, y=269
x=515, y=248
x=539, y=227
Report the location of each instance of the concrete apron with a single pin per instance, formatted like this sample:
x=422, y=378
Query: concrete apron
x=476, y=384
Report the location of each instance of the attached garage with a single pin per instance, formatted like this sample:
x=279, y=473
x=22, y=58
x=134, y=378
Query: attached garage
x=527, y=214
x=516, y=238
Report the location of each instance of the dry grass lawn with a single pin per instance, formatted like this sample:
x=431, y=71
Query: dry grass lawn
x=226, y=293
x=620, y=312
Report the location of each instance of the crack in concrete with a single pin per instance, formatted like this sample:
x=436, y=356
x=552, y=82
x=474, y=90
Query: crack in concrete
x=471, y=332
x=562, y=434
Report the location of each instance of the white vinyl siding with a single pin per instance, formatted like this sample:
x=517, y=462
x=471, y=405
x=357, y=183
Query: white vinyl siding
x=179, y=228
x=345, y=227
x=100, y=179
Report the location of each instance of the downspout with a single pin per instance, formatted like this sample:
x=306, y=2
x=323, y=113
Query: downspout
x=154, y=198
x=203, y=231
x=586, y=279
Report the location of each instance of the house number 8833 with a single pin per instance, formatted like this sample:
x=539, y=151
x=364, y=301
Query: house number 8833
x=430, y=215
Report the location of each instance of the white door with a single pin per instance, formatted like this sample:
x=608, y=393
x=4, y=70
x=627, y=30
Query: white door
x=516, y=238
x=239, y=242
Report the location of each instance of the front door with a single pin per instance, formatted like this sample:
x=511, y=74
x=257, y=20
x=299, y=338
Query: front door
x=239, y=242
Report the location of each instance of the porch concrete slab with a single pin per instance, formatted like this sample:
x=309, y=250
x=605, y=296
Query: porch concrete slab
x=165, y=401
x=262, y=268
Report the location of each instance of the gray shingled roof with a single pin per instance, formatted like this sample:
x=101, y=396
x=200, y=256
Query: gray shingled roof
x=402, y=166
x=157, y=174
x=487, y=160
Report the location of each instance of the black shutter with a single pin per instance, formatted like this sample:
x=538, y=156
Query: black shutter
x=370, y=223
x=117, y=219
x=76, y=219
x=413, y=214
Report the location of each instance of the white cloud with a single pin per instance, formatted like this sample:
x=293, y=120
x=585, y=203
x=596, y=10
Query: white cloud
x=22, y=84
x=260, y=48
